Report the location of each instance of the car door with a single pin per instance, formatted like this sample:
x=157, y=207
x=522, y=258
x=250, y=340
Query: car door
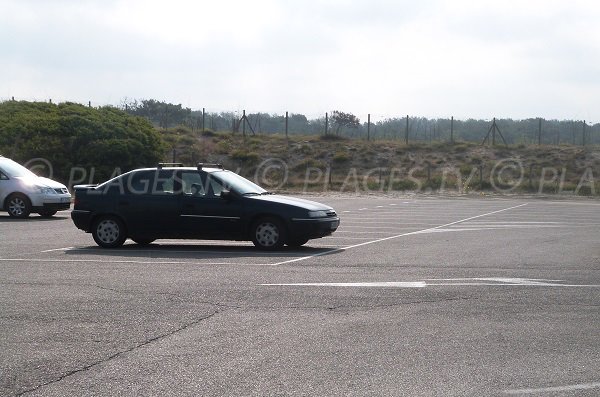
x=4, y=187
x=204, y=213
x=150, y=204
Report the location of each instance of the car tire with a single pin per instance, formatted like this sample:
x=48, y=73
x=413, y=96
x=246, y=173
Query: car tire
x=143, y=241
x=47, y=213
x=297, y=243
x=18, y=206
x=268, y=234
x=109, y=232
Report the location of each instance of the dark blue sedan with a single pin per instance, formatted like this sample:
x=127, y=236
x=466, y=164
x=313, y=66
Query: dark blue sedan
x=203, y=202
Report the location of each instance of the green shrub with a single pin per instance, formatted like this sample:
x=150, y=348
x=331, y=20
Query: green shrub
x=243, y=156
x=341, y=157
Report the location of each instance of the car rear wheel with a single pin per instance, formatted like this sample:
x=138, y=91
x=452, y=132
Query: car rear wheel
x=109, y=232
x=268, y=234
x=18, y=206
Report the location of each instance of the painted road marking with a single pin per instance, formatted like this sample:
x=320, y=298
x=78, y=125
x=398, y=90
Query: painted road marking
x=581, y=386
x=59, y=249
x=477, y=281
x=397, y=236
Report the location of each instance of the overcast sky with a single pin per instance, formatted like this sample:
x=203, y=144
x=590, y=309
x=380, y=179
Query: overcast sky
x=467, y=59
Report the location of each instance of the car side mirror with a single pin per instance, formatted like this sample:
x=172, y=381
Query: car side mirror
x=226, y=194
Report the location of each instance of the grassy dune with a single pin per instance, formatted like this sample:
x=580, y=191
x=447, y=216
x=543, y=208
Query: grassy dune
x=317, y=163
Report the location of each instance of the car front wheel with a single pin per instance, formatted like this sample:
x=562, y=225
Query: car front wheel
x=18, y=206
x=268, y=234
x=109, y=232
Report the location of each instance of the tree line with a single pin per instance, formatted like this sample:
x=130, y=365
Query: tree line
x=339, y=123
x=70, y=135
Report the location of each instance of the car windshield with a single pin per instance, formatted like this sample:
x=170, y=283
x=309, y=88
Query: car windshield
x=238, y=183
x=13, y=169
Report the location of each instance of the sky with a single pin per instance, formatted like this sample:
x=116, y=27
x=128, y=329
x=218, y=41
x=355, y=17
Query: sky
x=429, y=58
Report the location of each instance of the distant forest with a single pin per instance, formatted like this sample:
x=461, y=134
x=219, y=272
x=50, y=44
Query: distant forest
x=528, y=131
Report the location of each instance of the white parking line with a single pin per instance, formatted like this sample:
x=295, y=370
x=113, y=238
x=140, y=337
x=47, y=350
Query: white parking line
x=59, y=249
x=450, y=282
x=581, y=386
x=397, y=236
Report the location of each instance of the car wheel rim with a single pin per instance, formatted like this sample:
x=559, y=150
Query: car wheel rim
x=16, y=206
x=108, y=231
x=267, y=234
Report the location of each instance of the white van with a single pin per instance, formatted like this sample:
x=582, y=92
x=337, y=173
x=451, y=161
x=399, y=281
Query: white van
x=23, y=192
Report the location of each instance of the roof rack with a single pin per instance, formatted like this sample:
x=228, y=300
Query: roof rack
x=210, y=165
x=161, y=165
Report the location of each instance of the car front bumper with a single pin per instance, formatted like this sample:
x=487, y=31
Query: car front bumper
x=313, y=228
x=50, y=202
x=40, y=200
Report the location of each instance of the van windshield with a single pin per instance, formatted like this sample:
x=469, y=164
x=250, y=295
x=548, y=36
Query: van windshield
x=13, y=169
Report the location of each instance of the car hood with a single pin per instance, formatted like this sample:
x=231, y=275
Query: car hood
x=40, y=181
x=306, y=204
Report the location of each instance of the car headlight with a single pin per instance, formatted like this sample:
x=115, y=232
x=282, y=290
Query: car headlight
x=45, y=190
x=317, y=214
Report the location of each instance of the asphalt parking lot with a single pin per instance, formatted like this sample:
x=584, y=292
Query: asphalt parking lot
x=410, y=297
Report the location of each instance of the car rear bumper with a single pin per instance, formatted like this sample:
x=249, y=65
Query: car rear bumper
x=81, y=219
x=314, y=228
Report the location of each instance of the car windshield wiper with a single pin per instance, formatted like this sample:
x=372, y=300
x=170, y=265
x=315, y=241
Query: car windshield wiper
x=251, y=194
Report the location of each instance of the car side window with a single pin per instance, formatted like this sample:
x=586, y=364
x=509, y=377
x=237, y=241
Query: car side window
x=141, y=182
x=192, y=185
x=3, y=177
x=161, y=182
x=215, y=187
x=164, y=182
x=200, y=185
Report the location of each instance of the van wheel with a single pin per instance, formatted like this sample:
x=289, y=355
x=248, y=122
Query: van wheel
x=109, y=232
x=18, y=206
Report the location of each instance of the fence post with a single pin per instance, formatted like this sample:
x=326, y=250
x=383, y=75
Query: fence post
x=369, y=127
x=286, y=125
x=203, y=119
x=244, y=123
x=326, y=123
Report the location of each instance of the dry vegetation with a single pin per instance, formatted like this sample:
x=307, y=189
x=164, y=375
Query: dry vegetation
x=337, y=164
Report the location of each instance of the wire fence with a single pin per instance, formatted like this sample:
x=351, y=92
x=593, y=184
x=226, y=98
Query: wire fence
x=405, y=128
